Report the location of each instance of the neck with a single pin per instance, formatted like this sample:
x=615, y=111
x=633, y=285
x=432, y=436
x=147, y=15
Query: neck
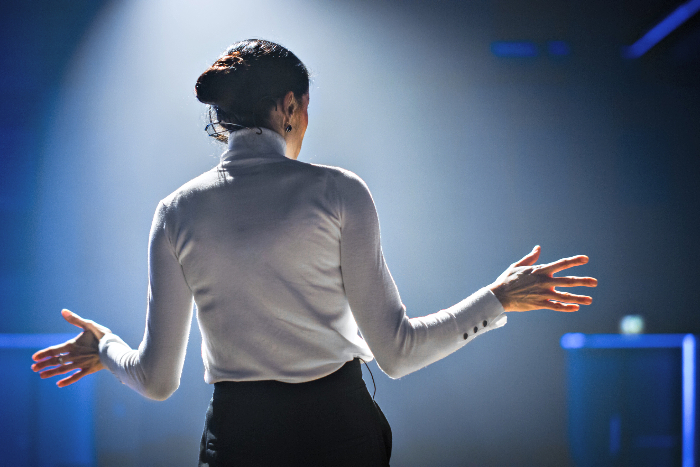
x=254, y=143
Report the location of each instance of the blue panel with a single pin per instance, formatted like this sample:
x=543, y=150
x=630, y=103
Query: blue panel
x=514, y=49
x=65, y=434
x=17, y=396
x=42, y=425
x=624, y=407
x=632, y=398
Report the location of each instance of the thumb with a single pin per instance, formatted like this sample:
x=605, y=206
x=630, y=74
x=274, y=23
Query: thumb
x=531, y=258
x=74, y=319
x=86, y=324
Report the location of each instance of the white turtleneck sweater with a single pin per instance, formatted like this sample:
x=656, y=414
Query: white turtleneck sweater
x=284, y=263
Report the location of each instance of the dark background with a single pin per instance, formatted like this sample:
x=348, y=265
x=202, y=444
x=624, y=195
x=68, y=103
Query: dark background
x=472, y=160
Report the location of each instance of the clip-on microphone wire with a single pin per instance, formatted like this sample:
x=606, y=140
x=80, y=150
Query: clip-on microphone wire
x=372, y=376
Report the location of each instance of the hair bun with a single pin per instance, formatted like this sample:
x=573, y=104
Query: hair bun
x=218, y=84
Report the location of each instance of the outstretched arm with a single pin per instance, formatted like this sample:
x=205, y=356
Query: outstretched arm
x=153, y=369
x=402, y=345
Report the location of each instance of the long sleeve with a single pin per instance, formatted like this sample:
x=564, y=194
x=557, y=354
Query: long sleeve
x=399, y=344
x=154, y=369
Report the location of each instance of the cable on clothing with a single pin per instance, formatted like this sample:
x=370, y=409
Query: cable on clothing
x=371, y=375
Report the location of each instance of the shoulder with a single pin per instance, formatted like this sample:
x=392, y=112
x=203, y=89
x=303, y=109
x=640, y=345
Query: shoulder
x=346, y=180
x=191, y=189
x=336, y=171
x=354, y=198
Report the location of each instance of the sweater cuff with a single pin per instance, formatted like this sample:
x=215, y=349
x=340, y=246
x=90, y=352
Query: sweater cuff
x=108, y=352
x=477, y=314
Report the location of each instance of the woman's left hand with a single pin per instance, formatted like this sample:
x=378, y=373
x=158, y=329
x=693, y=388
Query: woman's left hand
x=527, y=286
x=80, y=353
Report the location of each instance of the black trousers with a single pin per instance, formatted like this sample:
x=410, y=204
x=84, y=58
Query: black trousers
x=331, y=421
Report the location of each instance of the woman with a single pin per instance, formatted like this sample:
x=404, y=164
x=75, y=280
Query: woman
x=284, y=263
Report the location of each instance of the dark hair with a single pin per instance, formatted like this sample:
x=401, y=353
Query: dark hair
x=244, y=84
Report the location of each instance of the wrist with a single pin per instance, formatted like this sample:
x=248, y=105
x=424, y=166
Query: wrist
x=497, y=290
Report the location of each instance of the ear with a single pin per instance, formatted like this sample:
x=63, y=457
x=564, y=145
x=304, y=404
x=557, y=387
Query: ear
x=289, y=103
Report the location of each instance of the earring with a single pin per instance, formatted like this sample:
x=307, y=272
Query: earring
x=288, y=128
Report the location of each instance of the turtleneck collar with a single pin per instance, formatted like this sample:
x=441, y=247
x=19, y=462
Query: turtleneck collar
x=249, y=147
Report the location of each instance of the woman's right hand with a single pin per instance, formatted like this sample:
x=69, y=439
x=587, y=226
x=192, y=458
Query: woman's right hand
x=80, y=353
x=525, y=286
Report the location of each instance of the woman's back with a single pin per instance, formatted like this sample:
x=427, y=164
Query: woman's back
x=258, y=238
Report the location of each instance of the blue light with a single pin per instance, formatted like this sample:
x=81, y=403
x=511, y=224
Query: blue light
x=688, y=399
x=574, y=340
x=514, y=49
x=558, y=48
x=618, y=341
x=679, y=16
x=32, y=341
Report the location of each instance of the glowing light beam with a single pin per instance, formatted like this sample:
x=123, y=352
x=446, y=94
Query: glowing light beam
x=514, y=49
x=32, y=341
x=656, y=34
x=688, y=400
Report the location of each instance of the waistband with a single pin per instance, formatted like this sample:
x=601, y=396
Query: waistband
x=348, y=377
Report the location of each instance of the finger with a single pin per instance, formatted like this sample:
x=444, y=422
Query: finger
x=571, y=281
x=565, y=263
x=67, y=359
x=71, y=379
x=557, y=306
x=60, y=370
x=74, y=319
x=531, y=258
x=49, y=362
x=74, y=377
x=54, y=351
x=569, y=297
